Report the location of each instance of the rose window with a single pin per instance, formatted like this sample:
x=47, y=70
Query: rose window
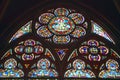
x=61, y=26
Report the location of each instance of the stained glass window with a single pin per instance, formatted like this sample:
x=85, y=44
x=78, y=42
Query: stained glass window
x=61, y=43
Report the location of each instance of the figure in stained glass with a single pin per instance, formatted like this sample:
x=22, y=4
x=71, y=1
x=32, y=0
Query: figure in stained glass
x=43, y=70
x=112, y=70
x=79, y=70
x=10, y=69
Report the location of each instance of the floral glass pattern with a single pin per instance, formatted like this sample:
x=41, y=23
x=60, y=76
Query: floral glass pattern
x=10, y=69
x=79, y=70
x=93, y=50
x=43, y=70
x=61, y=25
x=29, y=49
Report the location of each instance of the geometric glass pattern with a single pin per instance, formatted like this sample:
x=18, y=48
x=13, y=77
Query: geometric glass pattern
x=73, y=54
x=61, y=53
x=93, y=50
x=49, y=54
x=7, y=54
x=29, y=49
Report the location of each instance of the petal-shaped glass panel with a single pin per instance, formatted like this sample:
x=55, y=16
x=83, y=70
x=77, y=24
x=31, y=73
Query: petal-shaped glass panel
x=103, y=50
x=38, y=49
x=83, y=49
x=78, y=32
x=44, y=32
x=93, y=43
x=26, y=57
x=61, y=39
x=29, y=42
x=19, y=49
x=77, y=18
x=61, y=12
x=45, y=18
x=94, y=57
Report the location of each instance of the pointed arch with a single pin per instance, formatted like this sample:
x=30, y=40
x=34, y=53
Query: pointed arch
x=62, y=41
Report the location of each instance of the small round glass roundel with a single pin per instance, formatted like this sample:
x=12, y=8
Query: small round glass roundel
x=61, y=25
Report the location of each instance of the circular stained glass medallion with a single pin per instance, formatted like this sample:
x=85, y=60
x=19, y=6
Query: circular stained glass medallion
x=61, y=25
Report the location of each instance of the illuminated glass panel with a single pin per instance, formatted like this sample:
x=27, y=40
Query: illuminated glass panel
x=78, y=32
x=94, y=50
x=27, y=28
x=79, y=70
x=93, y=43
x=61, y=25
x=44, y=32
x=61, y=12
x=100, y=31
x=83, y=49
x=77, y=18
x=94, y=57
x=10, y=69
x=112, y=70
x=43, y=70
x=45, y=18
x=28, y=49
x=61, y=39
x=61, y=53
x=103, y=50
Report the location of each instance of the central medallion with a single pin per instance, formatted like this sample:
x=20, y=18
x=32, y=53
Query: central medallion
x=61, y=25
